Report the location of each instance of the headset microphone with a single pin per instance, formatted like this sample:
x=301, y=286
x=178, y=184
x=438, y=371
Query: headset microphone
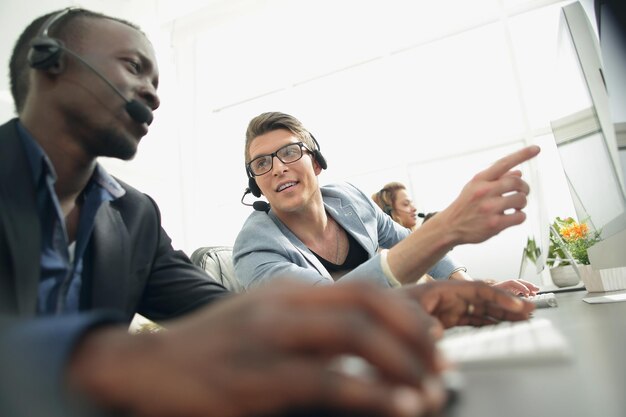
x=45, y=53
x=258, y=205
x=261, y=206
x=139, y=112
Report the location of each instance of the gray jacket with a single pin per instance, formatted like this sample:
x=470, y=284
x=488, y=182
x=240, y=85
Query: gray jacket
x=266, y=249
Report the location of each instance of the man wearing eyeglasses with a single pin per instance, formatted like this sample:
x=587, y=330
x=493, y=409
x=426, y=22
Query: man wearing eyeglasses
x=328, y=252
x=322, y=234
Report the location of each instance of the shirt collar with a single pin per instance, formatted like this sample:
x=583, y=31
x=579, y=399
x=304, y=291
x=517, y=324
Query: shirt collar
x=38, y=160
x=106, y=181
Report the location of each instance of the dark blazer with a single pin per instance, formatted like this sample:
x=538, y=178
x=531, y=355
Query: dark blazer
x=134, y=267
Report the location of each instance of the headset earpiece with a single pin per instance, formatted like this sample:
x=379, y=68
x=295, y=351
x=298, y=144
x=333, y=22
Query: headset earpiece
x=252, y=185
x=254, y=188
x=44, y=53
x=317, y=154
x=320, y=159
x=386, y=207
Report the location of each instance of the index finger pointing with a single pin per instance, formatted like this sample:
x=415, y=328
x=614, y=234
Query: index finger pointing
x=503, y=165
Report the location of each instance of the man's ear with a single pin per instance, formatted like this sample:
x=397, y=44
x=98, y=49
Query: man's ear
x=58, y=67
x=316, y=166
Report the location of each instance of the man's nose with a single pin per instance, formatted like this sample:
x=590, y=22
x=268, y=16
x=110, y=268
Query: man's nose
x=149, y=94
x=278, y=166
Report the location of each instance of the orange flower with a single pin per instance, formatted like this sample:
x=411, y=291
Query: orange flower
x=577, y=238
x=574, y=231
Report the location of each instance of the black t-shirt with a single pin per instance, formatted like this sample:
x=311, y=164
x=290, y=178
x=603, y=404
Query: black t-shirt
x=356, y=256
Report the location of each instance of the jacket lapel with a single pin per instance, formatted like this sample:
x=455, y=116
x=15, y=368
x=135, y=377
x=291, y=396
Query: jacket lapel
x=347, y=217
x=20, y=223
x=301, y=247
x=110, y=260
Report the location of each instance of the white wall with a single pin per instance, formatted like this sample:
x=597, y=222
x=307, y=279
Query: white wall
x=417, y=91
x=398, y=93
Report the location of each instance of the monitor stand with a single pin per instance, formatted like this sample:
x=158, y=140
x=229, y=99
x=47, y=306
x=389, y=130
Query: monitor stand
x=609, y=255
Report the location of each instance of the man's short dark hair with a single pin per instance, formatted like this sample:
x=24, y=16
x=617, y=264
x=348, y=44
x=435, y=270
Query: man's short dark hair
x=18, y=65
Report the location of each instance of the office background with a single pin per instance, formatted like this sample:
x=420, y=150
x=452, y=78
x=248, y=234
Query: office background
x=422, y=92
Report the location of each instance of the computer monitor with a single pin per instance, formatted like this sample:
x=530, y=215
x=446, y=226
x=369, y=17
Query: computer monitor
x=586, y=140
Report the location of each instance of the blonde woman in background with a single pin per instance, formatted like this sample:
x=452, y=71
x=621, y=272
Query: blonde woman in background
x=395, y=201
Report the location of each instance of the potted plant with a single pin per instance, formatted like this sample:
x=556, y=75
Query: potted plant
x=575, y=238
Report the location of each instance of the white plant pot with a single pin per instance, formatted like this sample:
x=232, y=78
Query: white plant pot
x=604, y=280
x=564, y=276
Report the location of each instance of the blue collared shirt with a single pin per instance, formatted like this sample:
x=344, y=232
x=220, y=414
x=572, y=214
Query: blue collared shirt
x=62, y=261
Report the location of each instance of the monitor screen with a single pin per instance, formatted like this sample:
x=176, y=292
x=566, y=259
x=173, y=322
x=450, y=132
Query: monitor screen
x=594, y=186
x=585, y=137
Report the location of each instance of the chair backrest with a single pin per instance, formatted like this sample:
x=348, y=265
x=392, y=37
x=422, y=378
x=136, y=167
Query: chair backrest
x=217, y=261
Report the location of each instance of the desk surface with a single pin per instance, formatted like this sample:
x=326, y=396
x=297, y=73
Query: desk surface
x=592, y=383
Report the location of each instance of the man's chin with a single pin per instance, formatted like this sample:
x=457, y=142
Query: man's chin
x=126, y=152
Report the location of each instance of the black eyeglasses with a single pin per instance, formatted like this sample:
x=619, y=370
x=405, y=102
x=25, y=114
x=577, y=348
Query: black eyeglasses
x=288, y=154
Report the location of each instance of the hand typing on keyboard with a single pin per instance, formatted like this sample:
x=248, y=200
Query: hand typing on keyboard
x=458, y=303
x=517, y=287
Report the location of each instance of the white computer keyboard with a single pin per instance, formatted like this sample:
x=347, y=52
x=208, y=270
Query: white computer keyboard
x=530, y=341
x=543, y=300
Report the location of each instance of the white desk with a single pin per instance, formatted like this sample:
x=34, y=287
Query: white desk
x=592, y=384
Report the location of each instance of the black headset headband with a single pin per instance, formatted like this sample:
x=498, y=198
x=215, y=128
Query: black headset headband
x=386, y=207
x=53, y=19
x=45, y=51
